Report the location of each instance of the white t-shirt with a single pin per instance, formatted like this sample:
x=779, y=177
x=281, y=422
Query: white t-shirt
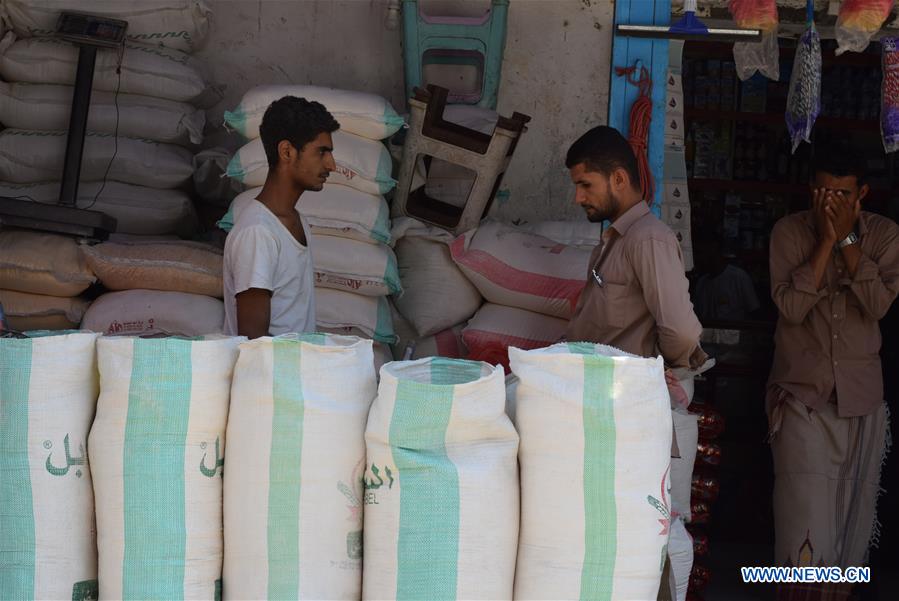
x=260, y=252
x=729, y=296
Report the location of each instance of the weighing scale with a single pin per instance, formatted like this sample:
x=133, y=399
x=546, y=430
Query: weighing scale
x=89, y=33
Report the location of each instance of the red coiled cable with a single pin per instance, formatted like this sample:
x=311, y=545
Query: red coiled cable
x=641, y=118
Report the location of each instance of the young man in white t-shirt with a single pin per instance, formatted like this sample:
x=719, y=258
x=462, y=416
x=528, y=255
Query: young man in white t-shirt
x=268, y=273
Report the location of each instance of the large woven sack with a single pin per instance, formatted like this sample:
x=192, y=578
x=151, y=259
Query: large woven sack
x=680, y=551
x=495, y=328
x=686, y=429
x=49, y=106
x=136, y=209
x=179, y=24
x=595, y=426
x=176, y=266
x=341, y=309
x=29, y=156
x=354, y=266
x=334, y=211
x=447, y=343
x=146, y=70
x=40, y=263
x=436, y=295
x=580, y=234
x=518, y=269
x=359, y=113
x=441, y=484
x=296, y=453
x=157, y=454
x=361, y=163
x=48, y=394
x=26, y=311
x=154, y=312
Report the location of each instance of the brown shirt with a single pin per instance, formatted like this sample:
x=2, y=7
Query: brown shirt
x=827, y=341
x=643, y=305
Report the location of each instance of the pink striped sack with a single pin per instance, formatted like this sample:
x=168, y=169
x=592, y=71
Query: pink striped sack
x=518, y=269
x=494, y=328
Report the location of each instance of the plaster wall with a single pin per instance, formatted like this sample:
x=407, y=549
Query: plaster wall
x=556, y=69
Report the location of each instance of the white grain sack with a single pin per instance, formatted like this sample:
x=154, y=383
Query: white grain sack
x=595, y=426
x=436, y=295
x=179, y=24
x=361, y=163
x=341, y=309
x=136, y=209
x=157, y=453
x=28, y=156
x=359, y=113
x=334, y=211
x=353, y=266
x=148, y=312
x=441, y=498
x=48, y=393
x=48, y=106
x=296, y=453
x=146, y=70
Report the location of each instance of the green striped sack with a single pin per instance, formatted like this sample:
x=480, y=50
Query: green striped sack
x=158, y=452
x=296, y=452
x=334, y=211
x=595, y=426
x=361, y=163
x=48, y=394
x=441, y=484
x=360, y=113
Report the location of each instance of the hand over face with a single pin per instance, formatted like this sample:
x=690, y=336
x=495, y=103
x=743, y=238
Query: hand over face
x=842, y=213
x=823, y=223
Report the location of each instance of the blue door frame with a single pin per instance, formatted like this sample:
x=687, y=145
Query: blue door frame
x=653, y=54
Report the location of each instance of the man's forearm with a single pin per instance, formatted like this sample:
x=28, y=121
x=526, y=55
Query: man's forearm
x=852, y=254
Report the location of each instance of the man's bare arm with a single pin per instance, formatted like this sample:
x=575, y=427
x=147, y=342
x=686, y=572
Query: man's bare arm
x=254, y=307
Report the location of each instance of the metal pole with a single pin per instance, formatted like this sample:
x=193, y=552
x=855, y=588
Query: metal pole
x=81, y=102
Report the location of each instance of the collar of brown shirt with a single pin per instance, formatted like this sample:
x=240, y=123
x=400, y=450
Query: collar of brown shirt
x=828, y=340
x=643, y=304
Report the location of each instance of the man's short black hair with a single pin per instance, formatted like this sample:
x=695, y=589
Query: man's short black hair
x=297, y=120
x=603, y=149
x=841, y=163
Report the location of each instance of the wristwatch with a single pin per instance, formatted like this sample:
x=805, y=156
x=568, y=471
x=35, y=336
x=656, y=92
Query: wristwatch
x=850, y=239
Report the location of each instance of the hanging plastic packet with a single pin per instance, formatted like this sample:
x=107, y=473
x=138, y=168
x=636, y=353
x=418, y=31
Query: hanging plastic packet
x=804, y=98
x=760, y=56
x=858, y=21
x=889, y=95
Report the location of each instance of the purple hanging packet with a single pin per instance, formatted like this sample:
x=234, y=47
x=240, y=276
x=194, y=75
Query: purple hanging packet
x=804, y=98
x=889, y=95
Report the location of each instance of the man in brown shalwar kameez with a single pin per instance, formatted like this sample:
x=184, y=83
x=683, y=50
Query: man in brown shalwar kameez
x=834, y=274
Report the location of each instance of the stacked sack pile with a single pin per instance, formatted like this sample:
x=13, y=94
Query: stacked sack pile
x=143, y=126
x=355, y=268
x=531, y=277
x=116, y=487
x=41, y=279
x=158, y=286
x=531, y=284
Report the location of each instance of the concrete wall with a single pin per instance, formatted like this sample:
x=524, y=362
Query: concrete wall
x=556, y=69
